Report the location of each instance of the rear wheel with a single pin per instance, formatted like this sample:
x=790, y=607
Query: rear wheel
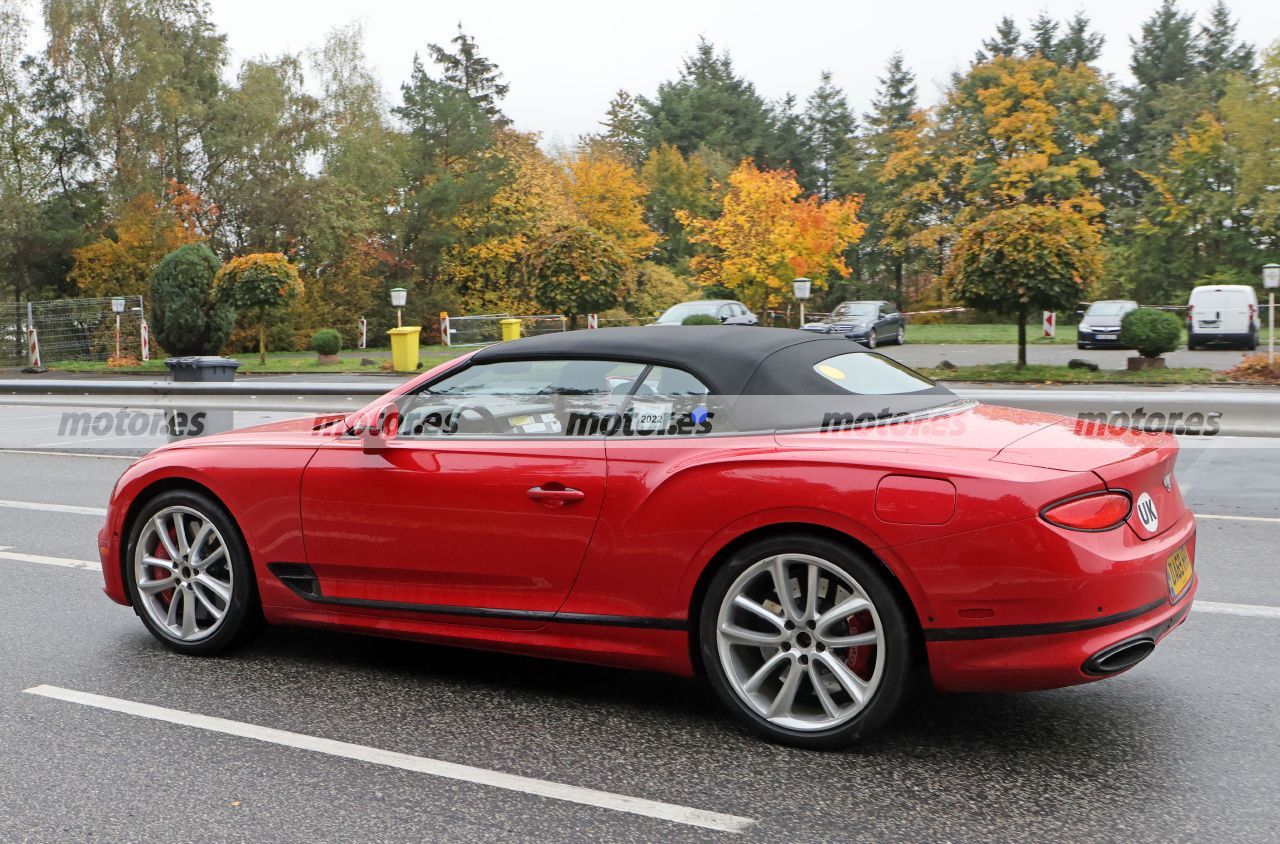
x=189, y=576
x=902, y=335
x=1252, y=343
x=805, y=642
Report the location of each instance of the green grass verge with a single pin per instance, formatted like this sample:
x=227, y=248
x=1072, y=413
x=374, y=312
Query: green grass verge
x=1008, y=373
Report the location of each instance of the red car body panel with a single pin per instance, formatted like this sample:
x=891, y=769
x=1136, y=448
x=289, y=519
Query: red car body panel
x=440, y=541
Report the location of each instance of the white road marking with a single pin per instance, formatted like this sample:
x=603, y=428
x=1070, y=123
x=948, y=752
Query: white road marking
x=63, y=562
x=56, y=453
x=1251, y=610
x=433, y=767
x=54, y=508
x=1240, y=518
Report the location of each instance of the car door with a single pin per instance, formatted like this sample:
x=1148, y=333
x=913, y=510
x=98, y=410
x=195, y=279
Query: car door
x=480, y=508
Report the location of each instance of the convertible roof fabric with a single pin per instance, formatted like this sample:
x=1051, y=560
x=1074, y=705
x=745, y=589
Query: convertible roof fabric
x=731, y=360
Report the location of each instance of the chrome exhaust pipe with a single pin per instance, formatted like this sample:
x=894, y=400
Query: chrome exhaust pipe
x=1119, y=657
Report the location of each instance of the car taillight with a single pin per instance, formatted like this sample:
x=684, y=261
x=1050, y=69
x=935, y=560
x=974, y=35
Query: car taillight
x=1253, y=312
x=1093, y=511
x=1190, y=310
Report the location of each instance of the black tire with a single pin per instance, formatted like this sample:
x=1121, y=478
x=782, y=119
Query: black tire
x=1251, y=345
x=898, y=674
x=1082, y=345
x=243, y=614
x=873, y=339
x=902, y=336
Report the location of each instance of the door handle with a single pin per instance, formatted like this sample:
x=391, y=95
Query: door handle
x=555, y=495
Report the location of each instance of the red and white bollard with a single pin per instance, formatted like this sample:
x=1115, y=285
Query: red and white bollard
x=593, y=321
x=33, y=347
x=146, y=341
x=364, y=333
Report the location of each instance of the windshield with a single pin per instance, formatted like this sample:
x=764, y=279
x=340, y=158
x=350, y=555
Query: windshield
x=1098, y=309
x=676, y=313
x=855, y=310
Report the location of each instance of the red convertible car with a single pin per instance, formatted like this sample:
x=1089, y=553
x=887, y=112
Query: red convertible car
x=810, y=526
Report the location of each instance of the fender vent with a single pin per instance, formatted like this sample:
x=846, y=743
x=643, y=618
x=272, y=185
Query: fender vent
x=297, y=576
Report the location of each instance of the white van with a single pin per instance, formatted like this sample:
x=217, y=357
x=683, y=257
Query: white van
x=1223, y=313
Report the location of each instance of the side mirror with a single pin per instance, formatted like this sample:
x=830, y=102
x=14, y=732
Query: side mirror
x=377, y=428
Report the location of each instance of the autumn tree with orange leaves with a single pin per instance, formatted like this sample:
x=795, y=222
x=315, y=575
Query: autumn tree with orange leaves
x=768, y=233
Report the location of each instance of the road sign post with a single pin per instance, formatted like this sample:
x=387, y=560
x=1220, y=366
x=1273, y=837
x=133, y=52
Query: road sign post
x=1049, y=323
x=1271, y=280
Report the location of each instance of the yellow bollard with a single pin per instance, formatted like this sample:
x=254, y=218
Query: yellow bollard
x=510, y=329
x=404, y=348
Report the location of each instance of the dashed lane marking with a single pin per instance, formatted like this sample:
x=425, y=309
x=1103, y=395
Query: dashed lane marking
x=42, y=507
x=672, y=812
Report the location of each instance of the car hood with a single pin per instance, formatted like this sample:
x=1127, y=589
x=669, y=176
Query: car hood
x=303, y=430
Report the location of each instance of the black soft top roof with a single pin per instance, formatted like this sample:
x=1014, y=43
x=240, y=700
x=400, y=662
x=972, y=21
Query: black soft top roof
x=732, y=360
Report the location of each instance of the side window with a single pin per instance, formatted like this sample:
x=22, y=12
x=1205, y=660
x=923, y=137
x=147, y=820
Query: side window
x=671, y=402
x=725, y=312
x=519, y=399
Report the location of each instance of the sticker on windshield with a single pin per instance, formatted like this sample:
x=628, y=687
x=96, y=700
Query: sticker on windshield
x=651, y=415
x=831, y=372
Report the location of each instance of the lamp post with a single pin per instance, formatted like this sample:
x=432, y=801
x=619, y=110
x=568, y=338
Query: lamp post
x=117, y=305
x=1271, y=280
x=398, y=297
x=802, y=288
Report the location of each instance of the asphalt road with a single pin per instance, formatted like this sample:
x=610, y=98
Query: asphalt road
x=1183, y=747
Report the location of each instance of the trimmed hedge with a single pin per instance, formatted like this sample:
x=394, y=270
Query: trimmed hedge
x=700, y=319
x=326, y=341
x=1152, y=332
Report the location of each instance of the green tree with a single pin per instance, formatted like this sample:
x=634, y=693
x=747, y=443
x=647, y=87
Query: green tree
x=186, y=318
x=575, y=269
x=829, y=126
x=1024, y=258
x=710, y=106
x=262, y=284
x=675, y=183
x=1251, y=111
x=452, y=168
x=465, y=69
x=624, y=129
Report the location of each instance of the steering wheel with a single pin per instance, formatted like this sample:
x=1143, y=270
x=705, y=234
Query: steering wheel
x=490, y=422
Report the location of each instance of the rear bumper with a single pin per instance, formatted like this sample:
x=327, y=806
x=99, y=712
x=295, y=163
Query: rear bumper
x=1046, y=661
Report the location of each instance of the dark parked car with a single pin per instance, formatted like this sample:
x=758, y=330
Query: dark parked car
x=1100, y=324
x=727, y=311
x=870, y=323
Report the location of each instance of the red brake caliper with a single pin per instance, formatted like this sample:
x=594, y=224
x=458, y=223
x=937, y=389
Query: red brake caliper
x=859, y=659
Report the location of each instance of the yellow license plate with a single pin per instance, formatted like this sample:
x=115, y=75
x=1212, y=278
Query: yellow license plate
x=1179, y=568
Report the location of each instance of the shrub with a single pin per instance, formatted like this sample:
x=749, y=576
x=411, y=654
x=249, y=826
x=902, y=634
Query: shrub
x=700, y=319
x=1152, y=332
x=185, y=317
x=326, y=341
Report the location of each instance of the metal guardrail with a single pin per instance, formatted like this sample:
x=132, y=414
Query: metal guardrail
x=1228, y=412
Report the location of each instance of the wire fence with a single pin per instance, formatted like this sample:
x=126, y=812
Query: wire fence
x=486, y=329
x=70, y=330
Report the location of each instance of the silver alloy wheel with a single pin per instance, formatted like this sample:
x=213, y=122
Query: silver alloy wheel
x=183, y=572
x=800, y=642
x=902, y=335
x=871, y=339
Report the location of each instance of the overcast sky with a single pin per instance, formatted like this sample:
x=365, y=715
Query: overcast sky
x=564, y=59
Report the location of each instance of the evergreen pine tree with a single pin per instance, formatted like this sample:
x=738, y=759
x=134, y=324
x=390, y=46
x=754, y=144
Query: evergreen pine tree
x=828, y=124
x=471, y=72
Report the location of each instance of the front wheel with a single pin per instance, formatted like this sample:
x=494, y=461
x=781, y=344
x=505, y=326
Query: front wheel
x=872, y=339
x=805, y=642
x=189, y=576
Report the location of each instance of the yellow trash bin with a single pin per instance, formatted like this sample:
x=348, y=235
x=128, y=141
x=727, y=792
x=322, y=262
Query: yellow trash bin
x=510, y=329
x=404, y=348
